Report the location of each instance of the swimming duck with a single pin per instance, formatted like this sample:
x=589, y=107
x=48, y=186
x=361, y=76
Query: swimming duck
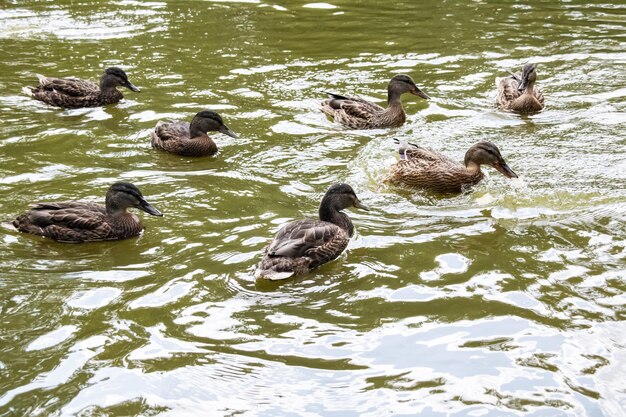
x=190, y=139
x=72, y=93
x=423, y=168
x=302, y=245
x=358, y=113
x=75, y=222
x=519, y=93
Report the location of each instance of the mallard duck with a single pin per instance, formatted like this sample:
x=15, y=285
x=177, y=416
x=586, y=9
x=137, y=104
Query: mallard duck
x=302, y=245
x=190, y=139
x=423, y=168
x=519, y=93
x=75, y=222
x=358, y=113
x=72, y=93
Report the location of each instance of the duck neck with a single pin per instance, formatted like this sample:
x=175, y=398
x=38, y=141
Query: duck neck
x=530, y=87
x=107, y=83
x=197, y=129
x=329, y=213
x=473, y=170
x=393, y=98
x=113, y=209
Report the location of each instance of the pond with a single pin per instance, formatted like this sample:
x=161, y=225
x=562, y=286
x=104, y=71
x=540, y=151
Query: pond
x=506, y=300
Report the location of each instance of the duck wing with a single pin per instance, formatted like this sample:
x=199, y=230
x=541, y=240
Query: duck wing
x=66, y=221
x=316, y=239
x=539, y=95
x=75, y=215
x=172, y=136
x=507, y=89
x=171, y=130
x=69, y=86
x=355, y=114
x=361, y=109
x=429, y=157
x=426, y=169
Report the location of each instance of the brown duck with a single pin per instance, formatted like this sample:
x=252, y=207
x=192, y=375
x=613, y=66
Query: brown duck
x=190, y=139
x=75, y=222
x=302, y=245
x=426, y=169
x=72, y=93
x=358, y=113
x=518, y=92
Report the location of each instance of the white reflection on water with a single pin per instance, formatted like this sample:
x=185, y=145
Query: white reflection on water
x=60, y=23
x=76, y=359
x=483, y=364
x=424, y=314
x=52, y=338
x=94, y=299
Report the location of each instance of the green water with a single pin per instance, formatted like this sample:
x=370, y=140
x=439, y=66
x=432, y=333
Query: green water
x=506, y=301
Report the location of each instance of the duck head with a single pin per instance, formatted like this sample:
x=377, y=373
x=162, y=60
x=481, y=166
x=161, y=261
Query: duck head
x=486, y=153
x=341, y=196
x=529, y=76
x=124, y=195
x=401, y=84
x=116, y=77
x=406, y=149
x=209, y=121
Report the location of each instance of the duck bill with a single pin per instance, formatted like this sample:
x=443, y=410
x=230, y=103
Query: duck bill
x=225, y=130
x=148, y=208
x=131, y=87
x=505, y=170
x=360, y=205
x=522, y=86
x=420, y=93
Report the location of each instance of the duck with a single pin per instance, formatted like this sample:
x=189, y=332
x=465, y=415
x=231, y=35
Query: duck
x=519, y=93
x=430, y=170
x=73, y=93
x=358, y=113
x=302, y=245
x=77, y=222
x=190, y=139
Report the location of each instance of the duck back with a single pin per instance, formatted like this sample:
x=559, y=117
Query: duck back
x=174, y=136
x=77, y=222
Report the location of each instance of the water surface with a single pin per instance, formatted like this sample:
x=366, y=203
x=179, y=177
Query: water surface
x=505, y=301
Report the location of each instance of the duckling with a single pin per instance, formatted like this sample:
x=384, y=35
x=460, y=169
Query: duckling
x=358, y=113
x=76, y=222
x=426, y=169
x=302, y=245
x=519, y=93
x=72, y=93
x=187, y=139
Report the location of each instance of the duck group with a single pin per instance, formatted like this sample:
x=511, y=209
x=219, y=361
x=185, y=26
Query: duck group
x=299, y=245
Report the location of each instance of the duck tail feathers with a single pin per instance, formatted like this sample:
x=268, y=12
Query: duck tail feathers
x=272, y=275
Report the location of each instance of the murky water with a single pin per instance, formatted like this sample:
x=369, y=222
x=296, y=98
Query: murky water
x=505, y=301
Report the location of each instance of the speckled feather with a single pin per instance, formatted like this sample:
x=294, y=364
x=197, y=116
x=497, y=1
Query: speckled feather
x=358, y=113
x=77, y=222
x=73, y=93
x=302, y=245
x=305, y=244
x=174, y=136
x=430, y=170
x=510, y=98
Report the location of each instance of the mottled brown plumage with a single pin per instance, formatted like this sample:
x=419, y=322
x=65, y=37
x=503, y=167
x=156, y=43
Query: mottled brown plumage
x=72, y=93
x=518, y=92
x=426, y=169
x=358, y=113
x=75, y=222
x=189, y=139
x=302, y=245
